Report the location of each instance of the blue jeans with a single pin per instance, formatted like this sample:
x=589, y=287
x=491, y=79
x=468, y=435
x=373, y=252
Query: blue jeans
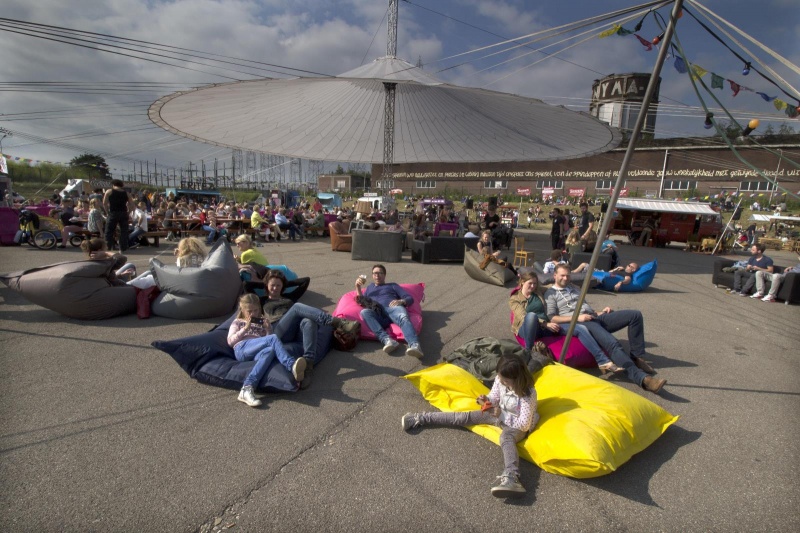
x=530, y=331
x=212, y=232
x=262, y=350
x=133, y=236
x=397, y=315
x=301, y=323
x=601, y=329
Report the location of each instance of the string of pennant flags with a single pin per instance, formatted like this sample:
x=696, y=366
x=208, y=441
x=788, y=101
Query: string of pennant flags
x=717, y=82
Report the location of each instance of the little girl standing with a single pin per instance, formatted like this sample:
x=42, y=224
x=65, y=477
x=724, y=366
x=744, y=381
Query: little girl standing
x=252, y=339
x=511, y=405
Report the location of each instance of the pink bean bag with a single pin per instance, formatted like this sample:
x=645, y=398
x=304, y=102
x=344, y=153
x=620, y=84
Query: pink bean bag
x=349, y=309
x=577, y=355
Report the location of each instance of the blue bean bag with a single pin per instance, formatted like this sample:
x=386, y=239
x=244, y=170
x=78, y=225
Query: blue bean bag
x=640, y=280
x=289, y=273
x=208, y=359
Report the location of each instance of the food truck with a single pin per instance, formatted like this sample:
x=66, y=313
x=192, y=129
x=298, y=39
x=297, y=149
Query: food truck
x=677, y=220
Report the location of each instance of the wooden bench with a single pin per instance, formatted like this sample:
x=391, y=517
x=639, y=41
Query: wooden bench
x=155, y=236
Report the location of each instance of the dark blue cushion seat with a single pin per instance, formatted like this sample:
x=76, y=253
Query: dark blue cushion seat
x=208, y=359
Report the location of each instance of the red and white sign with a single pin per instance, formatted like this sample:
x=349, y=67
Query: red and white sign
x=622, y=192
x=548, y=191
x=580, y=193
x=524, y=192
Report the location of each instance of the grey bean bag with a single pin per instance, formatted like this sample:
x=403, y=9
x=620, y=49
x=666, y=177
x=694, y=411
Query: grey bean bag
x=77, y=289
x=549, y=279
x=494, y=274
x=198, y=292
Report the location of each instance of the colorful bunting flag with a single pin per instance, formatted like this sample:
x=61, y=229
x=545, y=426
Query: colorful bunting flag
x=698, y=72
x=622, y=31
x=608, y=33
x=647, y=44
x=791, y=111
x=735, y=87
x=779, y=104
x=680, y=65
x=766, y=97
x=717, y=82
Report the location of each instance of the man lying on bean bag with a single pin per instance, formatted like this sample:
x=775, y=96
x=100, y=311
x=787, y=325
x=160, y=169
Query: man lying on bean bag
x=630, y=278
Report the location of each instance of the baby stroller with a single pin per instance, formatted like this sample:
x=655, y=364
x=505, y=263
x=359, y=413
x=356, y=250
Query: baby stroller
x=40, y=232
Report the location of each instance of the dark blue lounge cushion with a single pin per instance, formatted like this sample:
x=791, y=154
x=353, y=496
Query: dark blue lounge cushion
x=208, y=359
x=640, y=280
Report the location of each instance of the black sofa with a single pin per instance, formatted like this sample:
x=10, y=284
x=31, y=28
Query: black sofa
x=789, y=291
x=603, y=260
x=441, y=249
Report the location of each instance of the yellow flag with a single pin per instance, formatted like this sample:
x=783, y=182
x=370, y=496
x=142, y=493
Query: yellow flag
x=698, y=72
x=779, y=104
x=610, y=32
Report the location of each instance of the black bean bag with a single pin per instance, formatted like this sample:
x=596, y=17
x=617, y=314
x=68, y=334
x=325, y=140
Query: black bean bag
x=208, y=359
x=76, y=289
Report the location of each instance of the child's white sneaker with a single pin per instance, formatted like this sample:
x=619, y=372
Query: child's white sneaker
x=246, y=395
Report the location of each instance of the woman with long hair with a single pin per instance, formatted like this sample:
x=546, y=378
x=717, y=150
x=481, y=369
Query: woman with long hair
x=530, y=321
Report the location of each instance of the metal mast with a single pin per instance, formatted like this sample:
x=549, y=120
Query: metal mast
x=388, y=115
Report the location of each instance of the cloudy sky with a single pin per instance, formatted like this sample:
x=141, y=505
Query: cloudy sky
x=97, y=101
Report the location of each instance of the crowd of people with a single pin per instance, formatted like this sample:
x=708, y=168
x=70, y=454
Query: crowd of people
x=270, y=315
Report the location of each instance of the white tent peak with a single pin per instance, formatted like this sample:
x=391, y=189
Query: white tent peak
x=391, y=69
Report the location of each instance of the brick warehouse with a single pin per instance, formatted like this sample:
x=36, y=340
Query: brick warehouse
x=688, y=170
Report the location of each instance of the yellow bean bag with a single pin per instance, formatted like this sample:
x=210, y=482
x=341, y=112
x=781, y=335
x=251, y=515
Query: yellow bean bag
x=588, y=427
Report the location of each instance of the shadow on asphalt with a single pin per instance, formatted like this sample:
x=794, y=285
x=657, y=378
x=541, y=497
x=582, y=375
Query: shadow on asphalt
x=47, y=435
x=330, y=376
x=632, y=480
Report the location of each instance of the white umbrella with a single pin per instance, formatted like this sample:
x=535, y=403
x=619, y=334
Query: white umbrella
x=341, y=118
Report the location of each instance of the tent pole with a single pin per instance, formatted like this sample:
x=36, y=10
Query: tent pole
x=727, y=227
x=623, y=171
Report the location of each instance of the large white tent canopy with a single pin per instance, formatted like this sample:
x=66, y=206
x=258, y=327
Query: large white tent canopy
x=665, y=206
x=342, y=119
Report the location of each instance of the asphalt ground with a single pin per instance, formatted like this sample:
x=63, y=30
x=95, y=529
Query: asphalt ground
x=101, y=432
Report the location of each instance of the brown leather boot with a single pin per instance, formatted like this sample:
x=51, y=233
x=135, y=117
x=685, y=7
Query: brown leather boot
x=653, y=385
x=644, y=366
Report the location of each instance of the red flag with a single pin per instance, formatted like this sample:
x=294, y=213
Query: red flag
x=735, y=87
x=647, y=44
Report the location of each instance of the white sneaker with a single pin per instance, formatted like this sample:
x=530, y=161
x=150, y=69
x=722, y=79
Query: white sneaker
x=299, y=369
x=390, y=345
x=414, y=351
x=246, y=395
x=757, y=295
x=768, y=298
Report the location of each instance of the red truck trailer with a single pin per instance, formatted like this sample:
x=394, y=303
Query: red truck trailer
x=677, y=220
